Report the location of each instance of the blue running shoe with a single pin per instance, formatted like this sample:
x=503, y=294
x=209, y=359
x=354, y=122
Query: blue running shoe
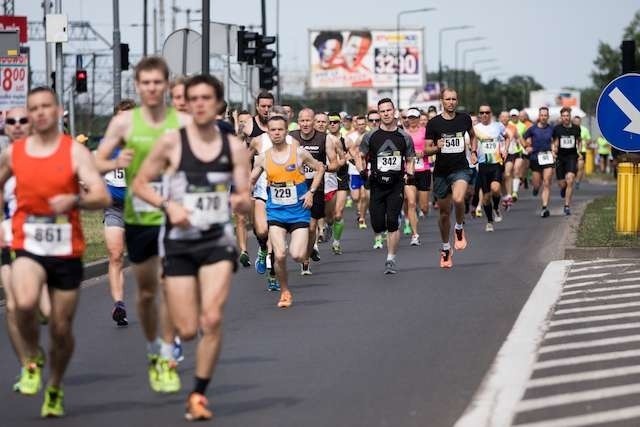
x=178, y=354
x=261, y=262
x=272, y=284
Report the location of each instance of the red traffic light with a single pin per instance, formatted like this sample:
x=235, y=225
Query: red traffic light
x=81, y=75
x=81, y=81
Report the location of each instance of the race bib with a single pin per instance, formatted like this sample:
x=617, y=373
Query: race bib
x=489, y=147
x=115, y=178
x=419, y=163
x=567, y=142
x=309, y=173
x=47, y=236
x=453, y=145
x=140, y=205
x=207, y=208
x=389, y=163
x=283, y=194
x=545, y=158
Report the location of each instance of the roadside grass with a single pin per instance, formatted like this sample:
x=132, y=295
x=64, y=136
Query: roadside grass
x=92, y=228
x=598, y=226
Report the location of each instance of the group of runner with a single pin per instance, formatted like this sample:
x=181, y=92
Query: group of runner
x=179, y=185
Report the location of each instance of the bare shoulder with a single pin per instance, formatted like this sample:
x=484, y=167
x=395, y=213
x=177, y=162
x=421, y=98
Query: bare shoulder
x=184, y=118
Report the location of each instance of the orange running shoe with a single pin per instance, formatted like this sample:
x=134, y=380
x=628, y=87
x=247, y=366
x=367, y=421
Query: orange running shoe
x=460, y=241
x=445, y=259
x=197, y=408
x=286, y=299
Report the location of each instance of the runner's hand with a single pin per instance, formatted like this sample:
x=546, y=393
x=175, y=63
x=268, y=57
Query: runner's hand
x=124, y=158
x=440, y=144
x=308, y=200
x=63, y=203
x=178, y=215
x=239, y=204
x=474, y=158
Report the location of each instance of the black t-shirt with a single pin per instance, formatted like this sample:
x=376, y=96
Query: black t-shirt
x=387, y=150
x=452, y=157
x=568, y=140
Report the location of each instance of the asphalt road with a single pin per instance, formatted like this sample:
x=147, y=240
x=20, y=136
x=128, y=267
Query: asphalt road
x=358, y=348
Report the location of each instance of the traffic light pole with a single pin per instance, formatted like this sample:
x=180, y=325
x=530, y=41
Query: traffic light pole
x=117, y=72
x=72, y=110
x=60, y=70
x=245, y=87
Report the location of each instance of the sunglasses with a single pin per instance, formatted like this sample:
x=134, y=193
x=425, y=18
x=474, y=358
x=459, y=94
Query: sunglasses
x=22, y=120
x=334, y=122
x=484, y=112
x=374, y=120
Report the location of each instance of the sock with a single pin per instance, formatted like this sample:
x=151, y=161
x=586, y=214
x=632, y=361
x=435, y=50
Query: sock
x=516, y=184
x=153, y=347
x=269, y=261
x=166, y=350
x=446, y=246
x=496, y=202
x=272, y=268
x=391, y=257
x=200, y=385
x=459, y=226
x=262, y=241
x=488, y=211
x=338, y=228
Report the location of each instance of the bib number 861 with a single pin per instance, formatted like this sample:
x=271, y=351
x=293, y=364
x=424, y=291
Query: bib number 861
x=48, y=235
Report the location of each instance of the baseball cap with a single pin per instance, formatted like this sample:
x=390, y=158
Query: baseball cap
x=514, y=112
x=82, y=138
x=413, y=113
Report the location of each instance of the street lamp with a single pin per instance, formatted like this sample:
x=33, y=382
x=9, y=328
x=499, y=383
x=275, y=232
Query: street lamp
x=443, y=30
x=464, y=66
x=482, y=61
x=404, y=12
x=458, y=43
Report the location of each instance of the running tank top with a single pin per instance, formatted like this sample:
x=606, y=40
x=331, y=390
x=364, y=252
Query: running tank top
x=287, y=185
x=421, y=163
x=260, y=189
x=255, y=131
x=36, y=229
x=490, y=139
x=142, y=139
x=203, y=189
x=316, y=146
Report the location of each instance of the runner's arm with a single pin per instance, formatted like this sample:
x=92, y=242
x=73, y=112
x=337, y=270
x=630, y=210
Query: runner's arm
x=363, y=151
x=113, y=138
x=331, y=149
x=258, y=168
x=240, y=198
x=409, y=156
x=151, y=168
x=318, y=167
x=5, y=172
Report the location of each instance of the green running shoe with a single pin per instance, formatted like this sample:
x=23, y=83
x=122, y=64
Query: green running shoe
x=169, y=378
x=154, y=373
x=30, y=380
x=378, y=243
x=245, y=261
x=53, y=403
x=407, y=229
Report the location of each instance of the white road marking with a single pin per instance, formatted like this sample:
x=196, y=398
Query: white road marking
x=588, y=276
x=588, y=319
x=584, y=376
x=580, y=285
x=600, y=298
x=589, y=419
x=596, y=261
x=597, y=290
x=592, y=330
x=577, y=397
x=597, y=308
x=589, y=358
x=504, y=385
x=587, y=344
x=595, y=267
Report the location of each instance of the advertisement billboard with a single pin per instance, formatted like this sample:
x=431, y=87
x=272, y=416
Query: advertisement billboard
x=348, y=59
x=554, y=98
x=14, y=81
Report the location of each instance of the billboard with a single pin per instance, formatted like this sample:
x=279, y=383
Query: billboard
x=554, y=98
x=14, y=76
x=365, y=59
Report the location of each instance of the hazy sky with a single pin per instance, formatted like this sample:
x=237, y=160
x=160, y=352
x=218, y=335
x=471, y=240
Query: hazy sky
x=555, y=41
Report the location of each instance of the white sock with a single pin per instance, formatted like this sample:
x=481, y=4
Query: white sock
x=516, y=184
x=391, y=257
x=459, y=226
x=446, y=246
x=153, y=347
x=166, y=350
x=268, y=262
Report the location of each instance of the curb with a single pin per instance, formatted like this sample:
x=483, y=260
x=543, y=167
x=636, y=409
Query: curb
x=601, y=252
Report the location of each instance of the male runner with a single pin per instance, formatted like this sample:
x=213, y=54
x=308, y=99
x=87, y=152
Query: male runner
x=138, y=130
x=514, y=164
x=199, y=163
x=289, y=199
x=566, y=147
x=391, y=154
x=258, y=125
x=585, y=141
x=491, y=152
x=417, y=192
x=538, y=143
x=373, y=119
x=176, y=92
x=322, y=149
x=47, y=238
x=358, y=193
x=451, y=175
x=114, y=231
x=334, y=208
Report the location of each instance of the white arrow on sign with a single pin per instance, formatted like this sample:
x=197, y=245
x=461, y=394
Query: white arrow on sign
x=628, y=109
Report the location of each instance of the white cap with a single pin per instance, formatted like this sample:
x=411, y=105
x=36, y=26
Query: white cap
x=514, y=112
x=413, y=112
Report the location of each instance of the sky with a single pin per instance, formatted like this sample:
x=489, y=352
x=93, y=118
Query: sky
x=555, y=41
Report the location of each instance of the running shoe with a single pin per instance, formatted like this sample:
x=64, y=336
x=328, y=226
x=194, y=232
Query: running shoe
x=567, y=210
x=197, y=409
x=415, y=240
x=305, y=271
x=178, y=353
x=378, y=243
x=349, y=203
x=544, y=213
x=315, y=254
x=489, y=227
x=119, y=314
x=154, y=373
x=496, y=216
x=445, y=259
x=336, y=248
x=479, y=212
x=563, y=192
x=168, y=374
x=272, y=284
x=261, y=262
x=460, y=240
x=328, y=235
x=506, y=201
x=30, y=381
x=286, y=300
x=53, y=405
x=514, y=196
x=577, y=185
x=390, y=267
x=244, y=259
x=362, y=224
x=407, y=229
x=535, y=192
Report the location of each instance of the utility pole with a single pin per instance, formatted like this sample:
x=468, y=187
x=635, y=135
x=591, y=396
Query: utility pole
x=264, y=17
x=117, y=77
x=161, y=21
x=46, y=4
x=206, y=28
x=279, y=85
x=145, y=24
x=59, y=65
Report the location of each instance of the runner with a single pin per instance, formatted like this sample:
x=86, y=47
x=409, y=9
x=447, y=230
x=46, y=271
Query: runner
x=491, y=151
x=566, y=147
x=452, y=174
x=114, y=231
x=321, y=148
x=334, y=207
x=47, y=238
x=289, y=116
x=514, y=164
x=199, y=163
x=176, y=92
x=391, y=155
x=585, y=142
x=417, y=193
x=289, y=198
x=358, y=193
x=523, y=124
x=604, y=152
x=538, y=143
x=347, y=124
x=139, y=129
x=373, y=118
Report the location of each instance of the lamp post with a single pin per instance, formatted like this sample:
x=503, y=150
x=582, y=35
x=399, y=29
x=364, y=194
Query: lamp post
x=482, y=61
x=443, y=30
x=404, y=12
x=464, y=66
x=458, y=43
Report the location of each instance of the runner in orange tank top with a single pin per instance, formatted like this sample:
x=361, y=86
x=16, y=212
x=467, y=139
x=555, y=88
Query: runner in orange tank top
x=47, y=237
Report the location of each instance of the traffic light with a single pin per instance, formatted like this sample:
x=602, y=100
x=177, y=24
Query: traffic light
x=628, y=48
x=263, y=53
x=81, y=81
x=246, y=45
x=124, y=56
x=268, y=75
x=53, y=81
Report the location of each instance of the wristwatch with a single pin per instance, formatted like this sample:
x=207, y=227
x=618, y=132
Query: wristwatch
x=164, y=204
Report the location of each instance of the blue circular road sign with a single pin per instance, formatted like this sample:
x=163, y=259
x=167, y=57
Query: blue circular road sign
x=618, y=112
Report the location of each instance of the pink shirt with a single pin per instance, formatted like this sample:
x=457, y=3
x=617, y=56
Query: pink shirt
x=421, y=164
